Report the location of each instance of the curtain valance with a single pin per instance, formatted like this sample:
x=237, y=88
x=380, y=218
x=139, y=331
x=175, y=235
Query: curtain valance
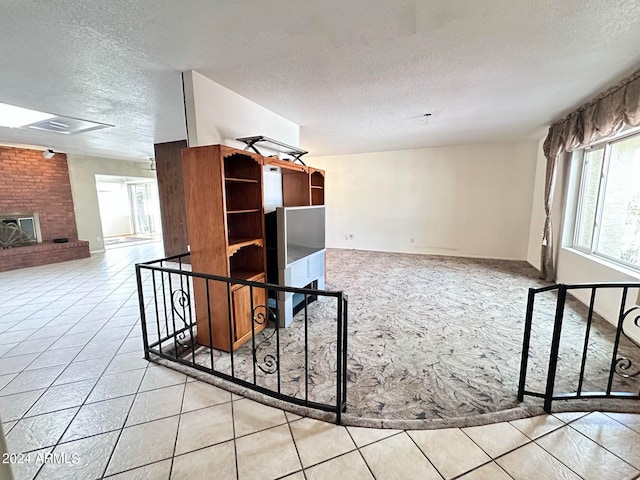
x=614, y=109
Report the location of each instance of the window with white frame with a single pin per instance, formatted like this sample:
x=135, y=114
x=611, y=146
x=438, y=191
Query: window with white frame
x=608, y=214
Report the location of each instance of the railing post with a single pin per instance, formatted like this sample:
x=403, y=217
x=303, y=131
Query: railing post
x=253, y=334
x=585, y=348
x=187, y=357
x=524, y=361
x=616, y=343
x=344, y=351
x=555, y=347
x=230, y=320
x=143, y=316
x=339, y=362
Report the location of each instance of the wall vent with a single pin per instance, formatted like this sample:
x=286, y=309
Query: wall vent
x=67, y=125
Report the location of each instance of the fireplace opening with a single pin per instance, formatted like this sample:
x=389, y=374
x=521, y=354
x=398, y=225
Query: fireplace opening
x=19, y=229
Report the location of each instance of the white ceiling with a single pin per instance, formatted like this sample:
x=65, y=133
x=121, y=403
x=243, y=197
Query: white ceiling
x=356, y=75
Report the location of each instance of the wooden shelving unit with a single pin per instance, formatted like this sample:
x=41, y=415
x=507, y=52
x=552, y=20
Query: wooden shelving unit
x=239, y=180
x=225, y=216
x=224, y=195
x=316, y=181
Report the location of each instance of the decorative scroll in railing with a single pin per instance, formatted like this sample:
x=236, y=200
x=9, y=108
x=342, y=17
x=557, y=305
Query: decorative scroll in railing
x=304, y=364
x=579, y=355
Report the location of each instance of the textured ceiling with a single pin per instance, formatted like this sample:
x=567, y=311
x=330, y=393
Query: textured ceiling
x=357, y=75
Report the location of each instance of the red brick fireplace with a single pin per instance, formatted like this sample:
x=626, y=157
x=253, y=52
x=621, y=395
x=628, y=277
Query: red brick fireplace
x=32, y=184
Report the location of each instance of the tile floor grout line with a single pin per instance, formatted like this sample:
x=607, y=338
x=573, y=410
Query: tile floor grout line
x=424, y=454
x=457, y=477
x=585, y=414
x=295, y=445
x=235, y=446
x=106, y=325
x=618, y=421
x=48, y=321
x=360, y=453
x=171, y=416
x=79, y=408
x=136, y=424
x=115, y=445
x=64, y=274
x=46, y=350
x=534, y=441
x=46, y=389
x=529, y=440
x=601, y=446
x=175, y=443
x=338, y=456
x=134, y=468
x=559, y=460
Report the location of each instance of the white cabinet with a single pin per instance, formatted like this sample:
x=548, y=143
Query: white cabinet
x=299, y=274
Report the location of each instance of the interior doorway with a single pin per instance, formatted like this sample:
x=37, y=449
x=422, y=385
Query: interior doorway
x=129, y=210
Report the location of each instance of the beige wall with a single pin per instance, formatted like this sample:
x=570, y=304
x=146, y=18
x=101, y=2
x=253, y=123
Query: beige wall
x=537, y=211
x=82, y=172
x=472, y=200
x=216, y=114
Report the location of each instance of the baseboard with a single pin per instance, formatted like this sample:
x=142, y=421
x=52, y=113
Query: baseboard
x=438, y=254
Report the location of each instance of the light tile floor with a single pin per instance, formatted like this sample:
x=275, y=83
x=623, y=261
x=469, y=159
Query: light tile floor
x=74, y=386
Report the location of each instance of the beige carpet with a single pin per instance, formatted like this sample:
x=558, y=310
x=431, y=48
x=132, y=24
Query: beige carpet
x=429, y=338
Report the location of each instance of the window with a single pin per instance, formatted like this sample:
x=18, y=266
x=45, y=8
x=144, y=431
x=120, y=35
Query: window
x=608, y=215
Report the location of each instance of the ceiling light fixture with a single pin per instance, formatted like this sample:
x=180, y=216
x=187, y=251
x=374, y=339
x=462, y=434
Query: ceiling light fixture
x=14, y=117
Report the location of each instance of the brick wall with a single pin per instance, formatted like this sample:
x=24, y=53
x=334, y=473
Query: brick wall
x=42, y=254
x=31, y=183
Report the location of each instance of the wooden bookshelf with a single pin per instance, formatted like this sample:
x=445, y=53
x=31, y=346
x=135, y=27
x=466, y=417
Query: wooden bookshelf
x=316, y=182
x=225, y=217
x=224, y=195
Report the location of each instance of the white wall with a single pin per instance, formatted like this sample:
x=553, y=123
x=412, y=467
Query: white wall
x=216, y=114
x=573, y=266
x=82, y=172
x=472, y=200
x=537, y=210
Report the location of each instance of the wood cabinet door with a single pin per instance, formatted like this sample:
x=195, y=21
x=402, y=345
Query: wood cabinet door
x=241, y=312
x=242, y=315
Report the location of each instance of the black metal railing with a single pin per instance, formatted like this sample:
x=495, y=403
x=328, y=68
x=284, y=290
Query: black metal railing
x=304, y=363
x=587, y=357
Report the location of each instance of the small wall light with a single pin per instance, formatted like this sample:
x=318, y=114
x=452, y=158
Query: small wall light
x=48, y=153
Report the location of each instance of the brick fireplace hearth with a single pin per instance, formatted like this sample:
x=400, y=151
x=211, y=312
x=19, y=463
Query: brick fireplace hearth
x=31, y=183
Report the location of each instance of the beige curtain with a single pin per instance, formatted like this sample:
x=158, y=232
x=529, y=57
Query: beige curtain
x=617, y=108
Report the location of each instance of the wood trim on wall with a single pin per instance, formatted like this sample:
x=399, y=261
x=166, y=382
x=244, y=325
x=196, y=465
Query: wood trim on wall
x=171, y=192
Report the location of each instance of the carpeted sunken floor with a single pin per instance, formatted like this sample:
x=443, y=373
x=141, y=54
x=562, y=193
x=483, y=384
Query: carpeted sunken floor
x=429, y=337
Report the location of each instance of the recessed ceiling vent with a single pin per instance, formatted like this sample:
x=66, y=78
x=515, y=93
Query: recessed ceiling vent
x=67, y=125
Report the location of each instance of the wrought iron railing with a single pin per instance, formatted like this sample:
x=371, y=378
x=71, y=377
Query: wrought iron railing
x=304, y=364
x=587, y=357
